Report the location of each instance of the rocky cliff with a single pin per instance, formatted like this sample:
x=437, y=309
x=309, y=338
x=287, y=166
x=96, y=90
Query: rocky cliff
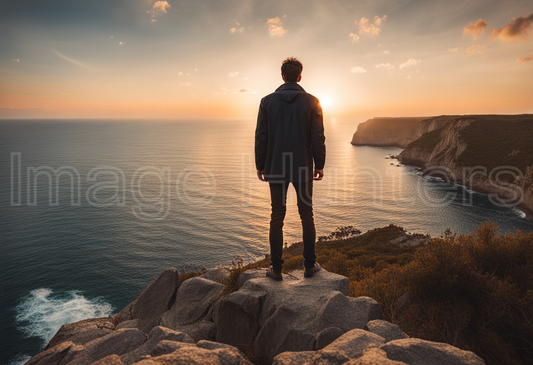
x=491, y=154
x=296, y=321
x=395, y=132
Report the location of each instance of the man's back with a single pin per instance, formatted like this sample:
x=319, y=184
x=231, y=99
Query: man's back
x=290, y=135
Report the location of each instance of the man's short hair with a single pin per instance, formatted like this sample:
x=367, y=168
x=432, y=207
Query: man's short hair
x=291, y=68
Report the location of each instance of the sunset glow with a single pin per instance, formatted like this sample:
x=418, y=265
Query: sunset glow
x=325, y=101
x=173, y=59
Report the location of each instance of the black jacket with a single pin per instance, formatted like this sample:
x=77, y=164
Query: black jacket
x=289, y=135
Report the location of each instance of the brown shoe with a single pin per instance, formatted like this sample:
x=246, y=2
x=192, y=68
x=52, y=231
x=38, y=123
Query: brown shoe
x=309, y=272
x=273, y=275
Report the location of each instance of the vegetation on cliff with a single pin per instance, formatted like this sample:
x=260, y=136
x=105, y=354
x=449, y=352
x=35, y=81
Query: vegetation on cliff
x=491, y=141
x=471, y=291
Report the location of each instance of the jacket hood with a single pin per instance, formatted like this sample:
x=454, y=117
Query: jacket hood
x=289, y=91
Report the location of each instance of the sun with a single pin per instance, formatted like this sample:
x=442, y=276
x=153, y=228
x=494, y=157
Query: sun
x=325, y=101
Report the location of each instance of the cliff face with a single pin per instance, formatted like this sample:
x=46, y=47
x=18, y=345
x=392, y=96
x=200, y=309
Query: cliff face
x=428, y=125
x=395, y=132
x=488, y=155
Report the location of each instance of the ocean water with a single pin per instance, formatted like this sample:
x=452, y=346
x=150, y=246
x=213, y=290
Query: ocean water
x=92, y=210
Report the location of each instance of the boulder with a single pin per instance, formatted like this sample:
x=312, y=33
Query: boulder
x=367, y=306
x=167, y=347
x=387, y=330
x=124, y=315
x=82, y=332
x=327, y=336
x=329, y=312
x=193, y=355
x=293, y=358
x=286, y=316
x=217, y=274
x=201, y=330
x=238, y=317
x=109, y=360
x=414, y=351
x=374, y=356
x=118, y=342
x=213, y=311
x=210, y=345
x=132, y=323
x=155, y=300
x=59, y=354
x=192, y=302
x=351, y=344
x=157, y=335
x=250, y=274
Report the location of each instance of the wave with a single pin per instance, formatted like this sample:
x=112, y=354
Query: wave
x=518, y=212
x=42, y=312
x=19, y=360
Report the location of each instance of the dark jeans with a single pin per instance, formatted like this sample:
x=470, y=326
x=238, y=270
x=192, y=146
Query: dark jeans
x=278, y=197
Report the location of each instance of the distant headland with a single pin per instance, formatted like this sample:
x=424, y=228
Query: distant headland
x=492, y=154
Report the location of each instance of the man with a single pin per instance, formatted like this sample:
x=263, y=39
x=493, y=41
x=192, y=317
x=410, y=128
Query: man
x=288, y=138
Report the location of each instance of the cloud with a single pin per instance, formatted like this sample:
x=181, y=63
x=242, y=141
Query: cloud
x=365, y=28
x=358, y=70
x=275, y=28
x=386, y=66
x=72, y=60
x=161, y=7
x=237, y=29
x=185, y=83
x=233, y=74
x=355, y=37
x=515, y=29
x=158, y=8
x=244, y=90
x=410, y=62
x=477, y=29
x=456, y=49
x=476, y=48
x=15, y=60
x=386, y=52
x=525, y=59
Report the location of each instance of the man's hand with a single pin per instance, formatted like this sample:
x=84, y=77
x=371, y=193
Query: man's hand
x=318, y=174
x=260, y=175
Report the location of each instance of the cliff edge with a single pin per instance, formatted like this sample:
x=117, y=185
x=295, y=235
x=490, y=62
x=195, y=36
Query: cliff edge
x=296, y=321
x=491, y=154
x=395, y=132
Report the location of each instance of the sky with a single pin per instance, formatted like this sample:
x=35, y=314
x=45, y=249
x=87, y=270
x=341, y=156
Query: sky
x=208, y=58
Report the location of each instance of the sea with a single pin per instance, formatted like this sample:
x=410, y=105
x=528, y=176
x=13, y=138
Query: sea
x=93, y=210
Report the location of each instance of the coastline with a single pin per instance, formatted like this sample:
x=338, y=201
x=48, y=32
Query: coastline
x=522, y=207
x=378, y=145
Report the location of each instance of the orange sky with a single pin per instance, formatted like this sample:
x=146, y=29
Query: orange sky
x=170, y=59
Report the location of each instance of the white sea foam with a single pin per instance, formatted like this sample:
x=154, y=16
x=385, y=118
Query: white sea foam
x=43, y=312
x=518, y=212
x=19, y=360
